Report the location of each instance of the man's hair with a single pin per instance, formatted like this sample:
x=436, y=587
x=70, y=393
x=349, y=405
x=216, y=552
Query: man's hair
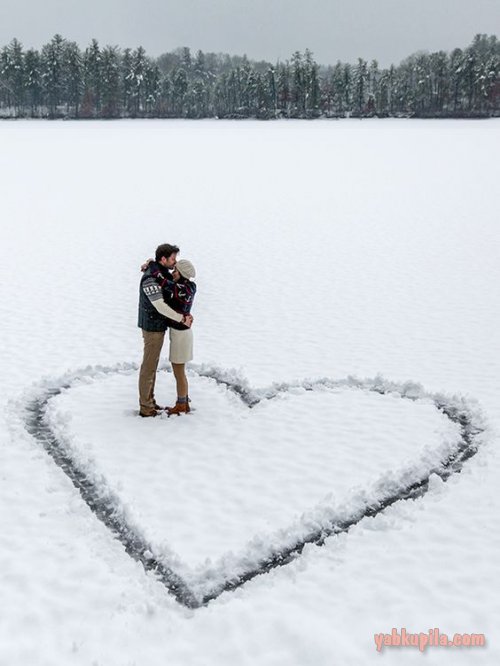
x=165, y=250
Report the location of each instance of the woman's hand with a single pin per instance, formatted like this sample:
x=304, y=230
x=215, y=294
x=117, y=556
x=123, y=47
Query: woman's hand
x=187, y=320
x=145, y=265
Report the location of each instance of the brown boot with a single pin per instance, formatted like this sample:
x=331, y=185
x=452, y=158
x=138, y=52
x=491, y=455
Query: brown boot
x=180, y=408
x=148, y=414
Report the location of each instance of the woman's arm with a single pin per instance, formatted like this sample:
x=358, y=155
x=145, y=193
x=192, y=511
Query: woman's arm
x=145, y=265
x=155, y=295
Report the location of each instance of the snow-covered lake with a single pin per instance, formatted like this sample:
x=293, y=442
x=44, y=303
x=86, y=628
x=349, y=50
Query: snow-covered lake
x=323, y=250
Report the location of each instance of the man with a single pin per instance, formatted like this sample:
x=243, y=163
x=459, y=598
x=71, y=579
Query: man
x=154, y=316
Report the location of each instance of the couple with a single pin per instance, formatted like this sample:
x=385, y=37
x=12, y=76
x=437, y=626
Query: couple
x=165, y=298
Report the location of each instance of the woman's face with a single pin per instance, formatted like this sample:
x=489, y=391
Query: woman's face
x=175, y=275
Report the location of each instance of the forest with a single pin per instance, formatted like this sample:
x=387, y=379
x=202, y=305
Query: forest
x=61, y=80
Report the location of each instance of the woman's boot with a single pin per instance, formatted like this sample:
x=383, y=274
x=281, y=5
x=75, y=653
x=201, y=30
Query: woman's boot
x=181, y=407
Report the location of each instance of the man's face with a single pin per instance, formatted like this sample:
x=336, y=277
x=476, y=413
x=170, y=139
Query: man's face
x=169, y=262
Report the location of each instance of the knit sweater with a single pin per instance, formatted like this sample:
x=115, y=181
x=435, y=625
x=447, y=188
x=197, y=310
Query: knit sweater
x=178, y=295
x=154, y=313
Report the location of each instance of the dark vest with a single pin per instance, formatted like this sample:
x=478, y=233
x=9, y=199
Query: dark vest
x=149, y=318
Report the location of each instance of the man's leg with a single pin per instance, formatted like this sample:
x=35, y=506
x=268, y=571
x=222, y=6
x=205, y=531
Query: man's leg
x=153, y=342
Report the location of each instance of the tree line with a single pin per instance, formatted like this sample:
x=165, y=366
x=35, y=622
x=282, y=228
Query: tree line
x=63, y=81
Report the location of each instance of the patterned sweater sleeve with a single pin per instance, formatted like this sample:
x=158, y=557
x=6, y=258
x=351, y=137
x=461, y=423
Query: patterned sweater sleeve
x=154, y=293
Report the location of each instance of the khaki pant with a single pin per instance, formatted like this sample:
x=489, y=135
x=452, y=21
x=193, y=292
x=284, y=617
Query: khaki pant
x=153, y=342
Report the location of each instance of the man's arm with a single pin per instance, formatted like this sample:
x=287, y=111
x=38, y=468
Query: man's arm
x=154, y=293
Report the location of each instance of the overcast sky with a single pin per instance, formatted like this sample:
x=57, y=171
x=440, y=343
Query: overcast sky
x=388, y=30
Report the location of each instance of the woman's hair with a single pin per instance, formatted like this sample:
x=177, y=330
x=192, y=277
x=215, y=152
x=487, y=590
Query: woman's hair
x=165, y=250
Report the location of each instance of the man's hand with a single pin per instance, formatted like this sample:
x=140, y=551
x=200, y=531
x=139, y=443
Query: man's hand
x=187, y=320
x=145, y=265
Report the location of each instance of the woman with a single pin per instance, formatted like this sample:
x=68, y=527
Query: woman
x=178, y=291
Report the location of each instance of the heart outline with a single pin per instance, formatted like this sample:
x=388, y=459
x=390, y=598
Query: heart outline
x=106, y=505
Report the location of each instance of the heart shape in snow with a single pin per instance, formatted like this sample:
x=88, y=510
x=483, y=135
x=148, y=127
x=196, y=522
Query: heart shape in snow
x=282, y=471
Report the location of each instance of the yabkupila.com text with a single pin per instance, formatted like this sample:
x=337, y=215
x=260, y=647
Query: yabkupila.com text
x=433, y=638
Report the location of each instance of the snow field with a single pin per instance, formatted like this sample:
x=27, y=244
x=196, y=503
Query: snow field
x=323, y=249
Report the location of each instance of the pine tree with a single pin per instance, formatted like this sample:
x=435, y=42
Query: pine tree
x=138, y=81
x=92, y=76
x=251, y=88
x=298, y=86
x=17, y=73
x=312, y=88
x=126, y=85
x=391, y=89
x=272, y=93
x=348, y=87
x=420, y=83
x=284, y=89
x=179, y=90
x=199, y=65
x=186, y=60
x=165, y=104
x=492, y=81
x=440, y=77
x=33, y=81
x=12, y=75
x=456, y=78
x=373, y=88
x=73, y=77
x=152, y=89
x=245, y=88
x=110, y=82
x=220, y=94
x=52, y=66
x=470, y=73
x=6, y=94
x=360, y=86
x=405, y=87
x=337, y=89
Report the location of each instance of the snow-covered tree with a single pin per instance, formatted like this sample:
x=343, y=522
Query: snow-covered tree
x=92, y=77
x=12, y=75
x=52, y=69
x=33, y=81
x=360, y=86
x=126, y=76
x=73, y=77
x=284, y=89
x=110, y=82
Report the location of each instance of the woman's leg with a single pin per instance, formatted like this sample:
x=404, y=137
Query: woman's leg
x=181, y=380
x=181, y=351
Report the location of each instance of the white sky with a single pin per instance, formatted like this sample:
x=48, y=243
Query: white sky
x=388, y=30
